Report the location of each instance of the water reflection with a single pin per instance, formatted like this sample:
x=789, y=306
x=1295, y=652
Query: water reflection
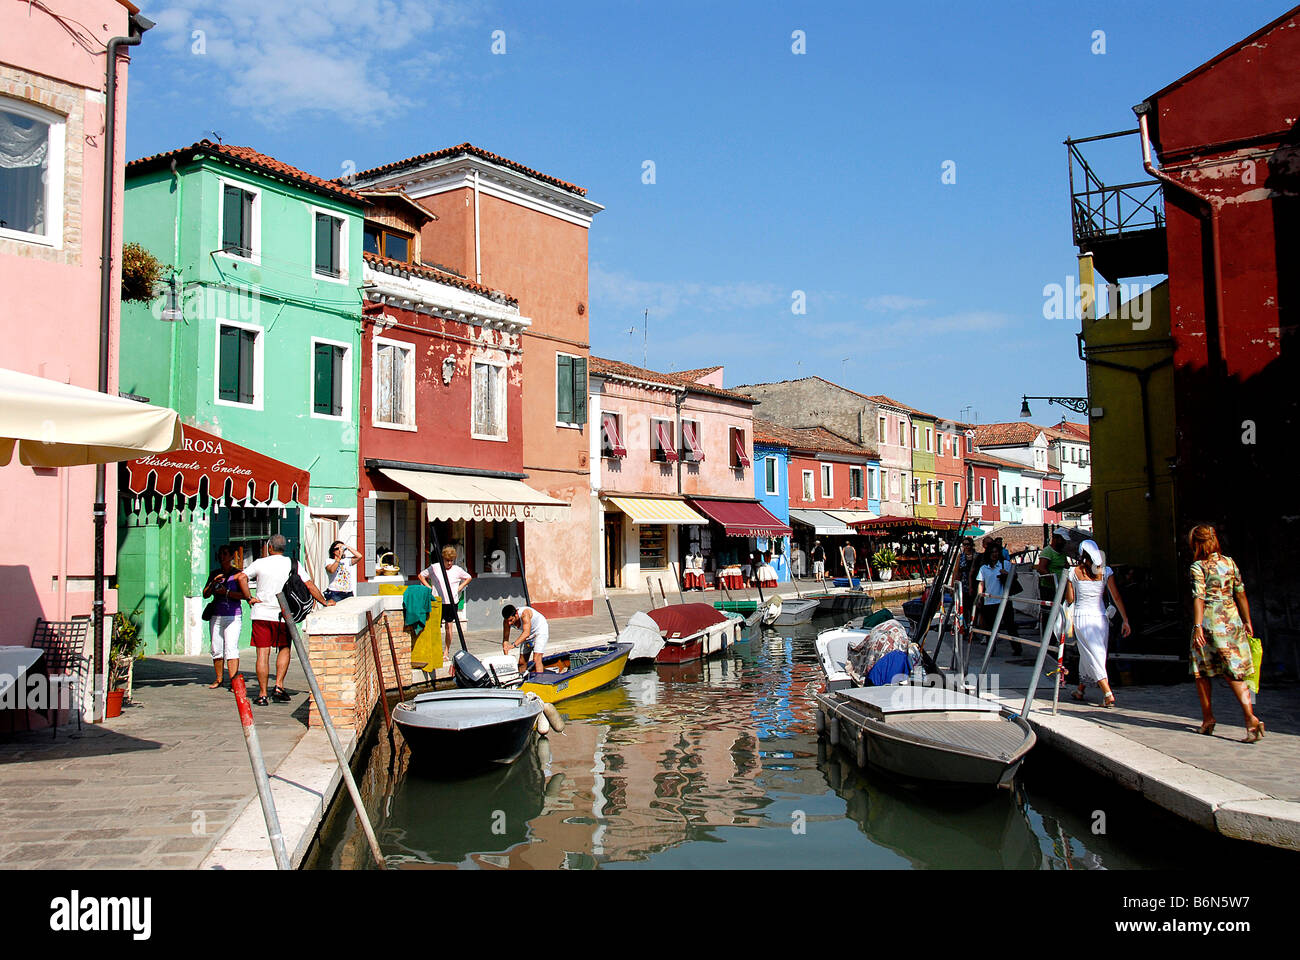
x=711, y=764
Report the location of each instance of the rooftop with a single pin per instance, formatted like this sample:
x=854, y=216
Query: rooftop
x=468, y=149
x=246, y=157
x=432, y=273
x=815, y=439
x=616, y=368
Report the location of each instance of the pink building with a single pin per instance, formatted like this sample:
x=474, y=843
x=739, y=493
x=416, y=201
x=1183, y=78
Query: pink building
x=52, y=141
x=667, y=450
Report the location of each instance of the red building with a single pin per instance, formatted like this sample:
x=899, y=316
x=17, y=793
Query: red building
x=505, y=226
x=440, y=418
x=982, y=481
x=1228, y=143
x=950, y=469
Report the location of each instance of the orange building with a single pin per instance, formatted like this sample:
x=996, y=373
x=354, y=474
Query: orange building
x=507, y=227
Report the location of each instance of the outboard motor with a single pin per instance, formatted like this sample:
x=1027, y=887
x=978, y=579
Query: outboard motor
x=469, y=670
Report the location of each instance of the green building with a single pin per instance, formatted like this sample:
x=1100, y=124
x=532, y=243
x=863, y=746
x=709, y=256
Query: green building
x=255, y=339
x=924, y=473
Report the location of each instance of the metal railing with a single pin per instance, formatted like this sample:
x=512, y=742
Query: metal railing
x=1109, y=211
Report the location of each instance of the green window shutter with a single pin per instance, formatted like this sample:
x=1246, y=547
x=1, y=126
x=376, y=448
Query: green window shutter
x=247, y=352
x=336, y=396
x=580, y=390
x=563, y=388
x=246, y=224
x=231, y=215
x=228, y=366
x=324, y=244
x=323, y=378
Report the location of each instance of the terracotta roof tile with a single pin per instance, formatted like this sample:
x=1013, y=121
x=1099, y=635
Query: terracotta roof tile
x=989, y=459
x=1082, y=431
x=1014, y=433
x=618, y=369
x=699, y=372
x=469, y=149
x=247, y=156
x=431, y=273
x=815, y=439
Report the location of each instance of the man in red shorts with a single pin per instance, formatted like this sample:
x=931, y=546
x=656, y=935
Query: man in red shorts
x=266, y=578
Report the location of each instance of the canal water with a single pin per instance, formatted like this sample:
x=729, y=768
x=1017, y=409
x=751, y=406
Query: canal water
x=718, y=765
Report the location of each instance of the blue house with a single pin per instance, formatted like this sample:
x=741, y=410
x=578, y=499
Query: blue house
x=772, y=489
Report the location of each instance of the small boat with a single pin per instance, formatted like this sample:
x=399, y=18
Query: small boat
x=753, y=611
x=927, y=733
x=796, y=610
x=833, y=648
x=469, y=728
x=692, y=631
x=842, y=603
x=575, y=672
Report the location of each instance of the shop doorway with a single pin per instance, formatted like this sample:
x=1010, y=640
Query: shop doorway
x=613, y=550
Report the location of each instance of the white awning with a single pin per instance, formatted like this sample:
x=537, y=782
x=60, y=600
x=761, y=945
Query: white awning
x=852, y=516
x=823, y=524
x=452, y=496
x=56, y=424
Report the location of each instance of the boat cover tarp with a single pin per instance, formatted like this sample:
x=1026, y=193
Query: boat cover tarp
x=643, y=634
x=685, y=619
x=891, y=665
x=880, y=640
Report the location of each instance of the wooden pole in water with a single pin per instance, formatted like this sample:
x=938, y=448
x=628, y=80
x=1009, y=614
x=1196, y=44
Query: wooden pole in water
x=660, y=581
x=680, y=596
x=523, y=574
x=650, y=590
x=379, y=669
x=612, y=619
x=392, y=650
x=328, y=723
x=273, y=830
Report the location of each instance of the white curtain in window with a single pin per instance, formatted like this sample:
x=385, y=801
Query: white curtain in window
x=24, y=162
x=487, y=402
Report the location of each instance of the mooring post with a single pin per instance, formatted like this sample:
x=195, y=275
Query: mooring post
x=254, y=746
x=330, y=732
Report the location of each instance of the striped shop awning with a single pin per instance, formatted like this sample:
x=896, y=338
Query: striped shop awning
x=655, y=510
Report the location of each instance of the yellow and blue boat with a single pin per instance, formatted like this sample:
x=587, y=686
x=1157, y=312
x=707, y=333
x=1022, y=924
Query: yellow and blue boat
x=575, y=672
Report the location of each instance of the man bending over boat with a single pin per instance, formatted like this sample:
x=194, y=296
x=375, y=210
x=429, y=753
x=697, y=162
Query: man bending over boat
x=536, y=634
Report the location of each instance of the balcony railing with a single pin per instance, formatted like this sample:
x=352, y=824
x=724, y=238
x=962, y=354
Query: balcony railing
x=1109, y=211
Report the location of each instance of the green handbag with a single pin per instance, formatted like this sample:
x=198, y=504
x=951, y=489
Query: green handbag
x=1257, y=656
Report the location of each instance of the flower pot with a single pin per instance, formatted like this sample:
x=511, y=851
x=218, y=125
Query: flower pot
x=886, y=573
x=113, y=703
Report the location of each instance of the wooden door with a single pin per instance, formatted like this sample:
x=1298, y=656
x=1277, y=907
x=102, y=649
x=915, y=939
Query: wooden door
x=614, y=551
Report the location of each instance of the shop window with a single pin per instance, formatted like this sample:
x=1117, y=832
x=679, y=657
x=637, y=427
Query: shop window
x=31, y=173
x=394, y=384
x=248, y=528
x=495, y=542
x=654, y=546
x=570, y=389
x=239, y=362
x=489, y=401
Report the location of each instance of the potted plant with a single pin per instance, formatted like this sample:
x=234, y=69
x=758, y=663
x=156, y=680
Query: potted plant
x=885, y=560
x=126, y=648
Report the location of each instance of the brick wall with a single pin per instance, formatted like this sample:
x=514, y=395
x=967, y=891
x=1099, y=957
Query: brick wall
x=342, y=659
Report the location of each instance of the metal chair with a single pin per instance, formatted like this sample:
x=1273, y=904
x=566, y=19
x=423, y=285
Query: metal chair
x=63, y=643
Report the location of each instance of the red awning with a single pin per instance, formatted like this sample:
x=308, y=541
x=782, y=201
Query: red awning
x=228, y=469
x=693, y=451
x=902, y=525
x=741, y=456
x=665, y=437
x=611, y=440
x=741, y=518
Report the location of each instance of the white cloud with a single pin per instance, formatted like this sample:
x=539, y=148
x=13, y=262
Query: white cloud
x=277, y=58
x=664, y=299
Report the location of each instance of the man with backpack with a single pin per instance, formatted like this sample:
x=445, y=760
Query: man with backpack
x=267, y=577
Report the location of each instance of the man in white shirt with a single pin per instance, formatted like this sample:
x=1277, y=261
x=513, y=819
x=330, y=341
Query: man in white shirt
x=431, y=577
x=266, y=578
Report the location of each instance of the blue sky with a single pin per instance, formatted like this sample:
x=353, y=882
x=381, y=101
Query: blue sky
x=775, y=172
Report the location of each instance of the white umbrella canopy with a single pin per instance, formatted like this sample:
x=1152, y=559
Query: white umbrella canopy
x=58, y=425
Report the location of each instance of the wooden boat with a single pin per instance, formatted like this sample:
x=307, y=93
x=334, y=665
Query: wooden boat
x=575, y=672
x=468, y=728
x=692, y=631
x=753, y=611
x=833, y=648
x=929, y=734
x=796, y=610
x=842, y=603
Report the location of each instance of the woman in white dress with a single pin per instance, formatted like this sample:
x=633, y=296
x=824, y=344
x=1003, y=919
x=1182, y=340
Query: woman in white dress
x=1086, y=589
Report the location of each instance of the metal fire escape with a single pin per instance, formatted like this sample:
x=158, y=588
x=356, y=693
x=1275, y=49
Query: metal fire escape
x=1122, y=225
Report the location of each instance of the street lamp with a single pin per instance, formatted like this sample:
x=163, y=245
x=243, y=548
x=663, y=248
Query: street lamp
x=1077, y=404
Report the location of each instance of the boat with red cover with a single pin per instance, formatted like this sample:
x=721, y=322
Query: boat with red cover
x=693, y=631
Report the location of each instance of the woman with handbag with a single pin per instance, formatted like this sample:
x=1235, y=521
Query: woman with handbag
x=995, y=573
x=1221, y=629
x=227, y=587
x=1086, y=589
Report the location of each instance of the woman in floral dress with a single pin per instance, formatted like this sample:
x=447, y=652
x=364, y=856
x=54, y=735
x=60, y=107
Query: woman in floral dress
x=1222, y=629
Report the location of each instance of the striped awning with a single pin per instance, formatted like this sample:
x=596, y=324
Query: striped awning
x=458, y=497
x=655, y=510
x=823, y=524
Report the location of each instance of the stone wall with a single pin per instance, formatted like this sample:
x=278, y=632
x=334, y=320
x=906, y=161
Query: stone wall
x=341, y=655
x=812, y=402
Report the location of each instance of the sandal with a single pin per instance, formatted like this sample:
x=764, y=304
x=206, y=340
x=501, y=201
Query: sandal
x=1206, y=728
x=261, y=702
x=278, y=694
x=1255, y=733
x=1109, y=701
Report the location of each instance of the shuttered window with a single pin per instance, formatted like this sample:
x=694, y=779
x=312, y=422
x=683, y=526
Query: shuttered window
x=237, y=365
x=570, y=389
x=327, y=379
x=329, y=231
x=489, y=418
x=855, y=483
x=394, y=384
x=237, y=221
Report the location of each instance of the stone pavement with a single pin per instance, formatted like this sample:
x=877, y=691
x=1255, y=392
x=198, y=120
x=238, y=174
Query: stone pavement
x=152, y=788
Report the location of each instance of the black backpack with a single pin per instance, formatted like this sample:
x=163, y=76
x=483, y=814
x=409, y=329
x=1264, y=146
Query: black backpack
x=296, y=595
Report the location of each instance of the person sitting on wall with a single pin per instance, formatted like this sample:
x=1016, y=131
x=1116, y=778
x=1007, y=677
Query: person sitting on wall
x=536, y=633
